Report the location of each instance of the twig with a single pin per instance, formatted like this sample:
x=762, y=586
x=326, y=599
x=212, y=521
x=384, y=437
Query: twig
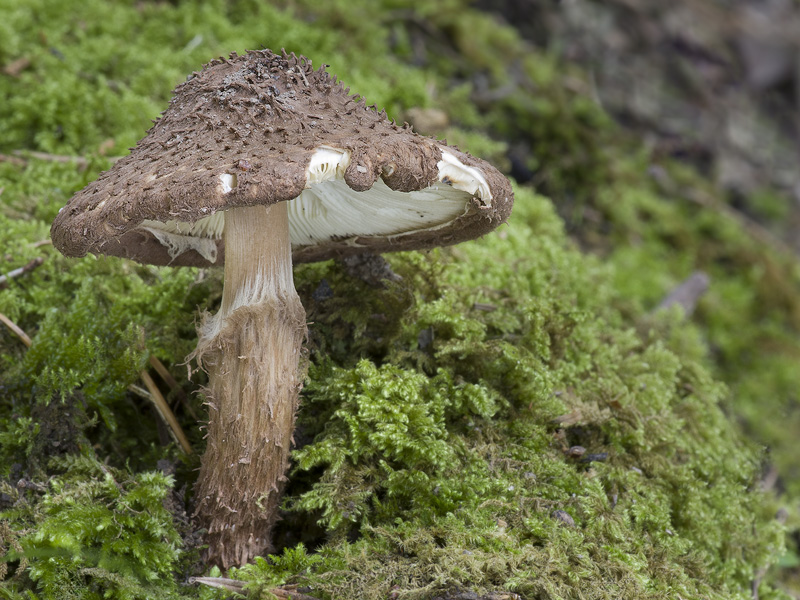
x=290, y=593
x=21, y=158
x=140, y=391
x=482, y=306
x=173, y=385
x=25, y=484
x=166, y=412
x=36, y=262
x=756, y=583
x=769, y=479
x=234, y=585
x=220, y=583
x=60, y=158
x=17, y=162
x=15, y=328
x=41, y=243
x=108, y=474
x=688, y=293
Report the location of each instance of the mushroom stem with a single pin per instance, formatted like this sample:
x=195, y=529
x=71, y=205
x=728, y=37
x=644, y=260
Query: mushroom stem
x=252, y=352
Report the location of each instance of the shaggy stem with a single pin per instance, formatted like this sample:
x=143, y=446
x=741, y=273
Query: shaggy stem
x=251, y=350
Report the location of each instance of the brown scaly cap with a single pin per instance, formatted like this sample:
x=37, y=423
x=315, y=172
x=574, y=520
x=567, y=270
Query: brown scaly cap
x=259, y=118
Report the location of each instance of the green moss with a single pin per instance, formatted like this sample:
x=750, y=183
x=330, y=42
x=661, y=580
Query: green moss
x=399, y=418
x=99, y=533
x=750, y=314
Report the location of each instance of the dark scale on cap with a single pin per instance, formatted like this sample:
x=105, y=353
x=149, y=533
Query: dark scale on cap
x=260, y=116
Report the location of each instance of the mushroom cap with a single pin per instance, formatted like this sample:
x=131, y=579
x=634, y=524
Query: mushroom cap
x=263, y=128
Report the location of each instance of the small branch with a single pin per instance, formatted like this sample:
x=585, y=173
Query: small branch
x=21, y=158
x=769, y=479
x=234, y=585
x=36, y=262
x=688, y=293
x=290, y=594
x=17, y=162
x=80, y=161
x=482, y=306
x=173, y=385
x=220, y=583
x=25, y=484
x=108, y=474
x=756, y=583
x=166, y=412
x=15, y=328
x=140, y=391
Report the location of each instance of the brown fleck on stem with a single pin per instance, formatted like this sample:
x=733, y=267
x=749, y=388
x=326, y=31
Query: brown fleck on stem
x=252, y=352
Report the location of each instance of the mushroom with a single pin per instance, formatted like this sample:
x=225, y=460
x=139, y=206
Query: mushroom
x=260, y=160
